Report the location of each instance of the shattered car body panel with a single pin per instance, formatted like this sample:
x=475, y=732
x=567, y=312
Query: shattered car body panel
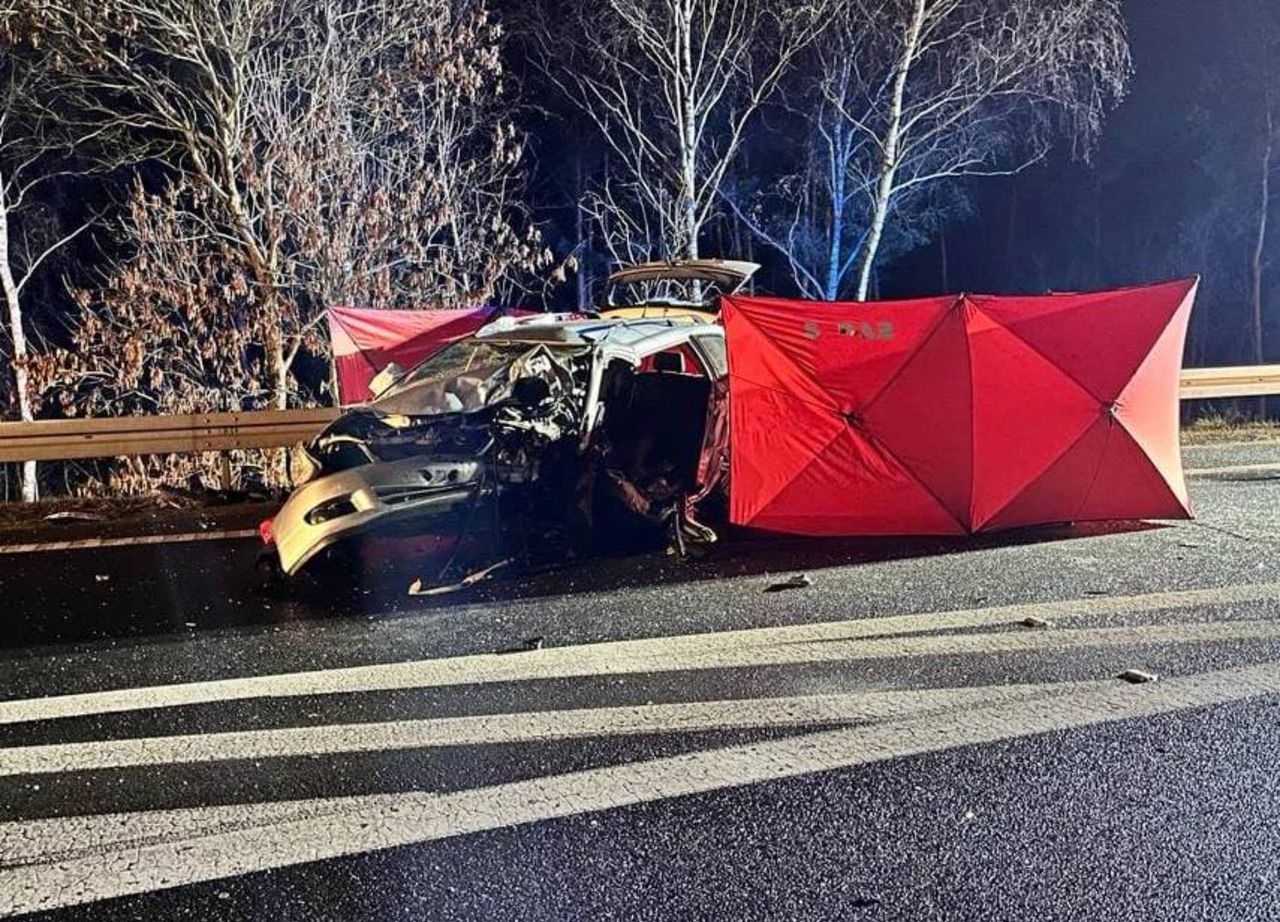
x=730, y=275
x=581, y=418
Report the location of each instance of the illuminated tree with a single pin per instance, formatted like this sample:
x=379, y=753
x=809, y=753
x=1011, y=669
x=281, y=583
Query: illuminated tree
x=673, y=87
x=316, y=153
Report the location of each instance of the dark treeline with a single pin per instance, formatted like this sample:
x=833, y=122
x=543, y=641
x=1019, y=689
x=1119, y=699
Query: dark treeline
x=187, y=185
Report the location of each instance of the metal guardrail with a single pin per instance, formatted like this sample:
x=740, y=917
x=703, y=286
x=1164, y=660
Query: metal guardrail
x=65, y=440
x=1213, y=383
x=68, y=439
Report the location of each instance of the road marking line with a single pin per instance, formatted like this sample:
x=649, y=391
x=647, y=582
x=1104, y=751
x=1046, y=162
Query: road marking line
x=525, y=727
x=55, y=863
x=1240, y=443
x=88, y=543
x=862, y=639
x=1238, y=469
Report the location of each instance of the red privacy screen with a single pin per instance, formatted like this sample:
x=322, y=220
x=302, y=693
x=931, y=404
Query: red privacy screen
x=366, y=341
x=956, y=415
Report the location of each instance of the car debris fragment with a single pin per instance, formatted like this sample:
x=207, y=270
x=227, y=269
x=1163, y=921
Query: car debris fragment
x=419, y=588
x=1036, y=623
x=528, y=645
x=74, y=516
x=799, y=581
x=1138, y=676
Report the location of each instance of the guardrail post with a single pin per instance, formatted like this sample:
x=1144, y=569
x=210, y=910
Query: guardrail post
x=224, y=470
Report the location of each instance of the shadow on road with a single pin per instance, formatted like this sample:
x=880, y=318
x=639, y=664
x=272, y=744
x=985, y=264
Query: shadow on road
x=746, y=554
x=163, y=590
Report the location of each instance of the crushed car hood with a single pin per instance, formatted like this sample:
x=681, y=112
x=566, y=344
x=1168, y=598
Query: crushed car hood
x=473, y=390
x=452, y=415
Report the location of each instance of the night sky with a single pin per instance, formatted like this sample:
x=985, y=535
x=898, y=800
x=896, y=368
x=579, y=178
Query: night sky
x=1144, y=173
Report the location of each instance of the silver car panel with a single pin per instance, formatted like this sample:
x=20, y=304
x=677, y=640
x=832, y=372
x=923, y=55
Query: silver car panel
x=362, y=498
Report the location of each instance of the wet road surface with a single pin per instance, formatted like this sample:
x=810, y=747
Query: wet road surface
x=930, y=730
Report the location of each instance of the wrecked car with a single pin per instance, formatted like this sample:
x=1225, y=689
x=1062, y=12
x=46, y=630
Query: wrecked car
x=566, y=426
x=557, y=428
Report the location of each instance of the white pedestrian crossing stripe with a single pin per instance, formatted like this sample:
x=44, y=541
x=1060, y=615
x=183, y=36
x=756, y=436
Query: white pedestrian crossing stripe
x=864, y=638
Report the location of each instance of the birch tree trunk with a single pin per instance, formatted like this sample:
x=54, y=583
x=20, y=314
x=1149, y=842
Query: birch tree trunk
x=30, y=485
x=279, y=376
x=839, y=191
x=688, y=132
x=883, y=196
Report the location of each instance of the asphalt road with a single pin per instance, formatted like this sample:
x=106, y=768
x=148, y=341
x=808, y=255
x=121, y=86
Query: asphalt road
x=641, y=738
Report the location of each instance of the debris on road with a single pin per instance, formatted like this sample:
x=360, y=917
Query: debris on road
x=799, y=581
x=528, y=645
x=417, y=588
x=1038, y=624
x=1138, y=677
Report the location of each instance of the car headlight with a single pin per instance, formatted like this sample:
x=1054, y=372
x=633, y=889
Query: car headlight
x=303, y=468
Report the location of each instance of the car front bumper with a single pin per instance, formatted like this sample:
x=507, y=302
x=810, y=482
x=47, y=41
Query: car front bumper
x=368, y=498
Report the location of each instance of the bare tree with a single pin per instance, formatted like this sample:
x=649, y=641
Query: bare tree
x=154, y=340
x=982, y=87
x=404, y=183
x=816, y=215
x=34, y=152
x=672, y=86
x=918, y=94
x=331, y=151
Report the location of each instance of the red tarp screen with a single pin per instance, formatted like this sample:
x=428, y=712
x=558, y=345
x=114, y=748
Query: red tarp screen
x=956, y=415
x=367, y=341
